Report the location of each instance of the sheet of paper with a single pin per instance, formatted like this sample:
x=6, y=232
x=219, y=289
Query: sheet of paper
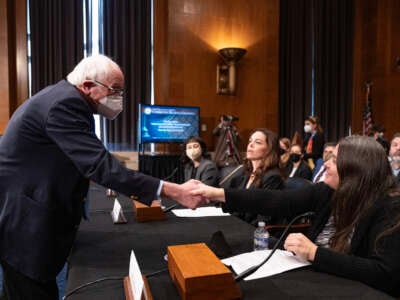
x=208, y=211
x=279, y=262
x=135, y=277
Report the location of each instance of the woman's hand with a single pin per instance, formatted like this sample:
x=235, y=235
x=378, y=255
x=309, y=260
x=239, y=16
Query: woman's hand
x=209, y=193
x=300, y=245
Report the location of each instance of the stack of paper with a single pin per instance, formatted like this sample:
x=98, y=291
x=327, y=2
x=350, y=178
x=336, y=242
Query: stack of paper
x=279, y=262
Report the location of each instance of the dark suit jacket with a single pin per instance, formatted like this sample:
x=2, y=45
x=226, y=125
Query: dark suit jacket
x=48, y=154
x=206, y=172
x=376, y=264
x=317, y=146
x=303, y=171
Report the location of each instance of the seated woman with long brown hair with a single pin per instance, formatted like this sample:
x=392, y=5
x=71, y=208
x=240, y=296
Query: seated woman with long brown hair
x=355, y=232
x=260, y=168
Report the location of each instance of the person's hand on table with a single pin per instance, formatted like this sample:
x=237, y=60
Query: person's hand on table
x=300, y=245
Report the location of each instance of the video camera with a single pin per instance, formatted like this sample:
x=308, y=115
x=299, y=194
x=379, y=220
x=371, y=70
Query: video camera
x=229, y=118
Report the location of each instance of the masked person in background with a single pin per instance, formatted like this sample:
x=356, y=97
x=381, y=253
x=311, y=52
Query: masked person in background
x=198, y=164
x=394, y=156
x=48, y=155
x=296, y=167
x=313, y=141
x=377, y=131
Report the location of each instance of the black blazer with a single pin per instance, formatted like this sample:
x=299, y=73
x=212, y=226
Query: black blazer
x=377, y=265
x=48, y=154
x=303, y=171
x=317, y=146
x=206, y=172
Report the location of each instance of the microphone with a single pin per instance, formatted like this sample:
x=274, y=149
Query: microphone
x=252, y=269
x=169, y=208
x=172, y=174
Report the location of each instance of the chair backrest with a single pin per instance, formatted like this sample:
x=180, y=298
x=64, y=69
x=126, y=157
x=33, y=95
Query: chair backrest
x=294, y=183
x=226, y=174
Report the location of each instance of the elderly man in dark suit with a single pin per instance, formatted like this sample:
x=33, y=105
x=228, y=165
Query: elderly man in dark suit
x=48, y=154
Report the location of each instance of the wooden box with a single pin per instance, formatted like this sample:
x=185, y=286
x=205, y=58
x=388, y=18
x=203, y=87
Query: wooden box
x=199, y=274
x=144, y=213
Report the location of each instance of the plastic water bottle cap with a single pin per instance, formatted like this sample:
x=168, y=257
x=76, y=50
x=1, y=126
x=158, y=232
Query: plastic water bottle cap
x=261, y=224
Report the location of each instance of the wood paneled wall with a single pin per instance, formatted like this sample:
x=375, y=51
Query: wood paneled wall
x=13, y=58
x=376, y=51
x=188, y=34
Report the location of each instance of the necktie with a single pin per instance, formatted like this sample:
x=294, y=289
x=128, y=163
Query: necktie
x=319, y=175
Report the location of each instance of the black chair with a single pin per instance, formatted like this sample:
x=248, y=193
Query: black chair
x=294, y=183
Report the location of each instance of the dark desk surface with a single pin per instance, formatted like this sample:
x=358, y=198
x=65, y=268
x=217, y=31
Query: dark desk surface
x=103, y=249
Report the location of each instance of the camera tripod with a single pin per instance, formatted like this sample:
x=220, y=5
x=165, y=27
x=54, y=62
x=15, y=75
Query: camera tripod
x=227, y=152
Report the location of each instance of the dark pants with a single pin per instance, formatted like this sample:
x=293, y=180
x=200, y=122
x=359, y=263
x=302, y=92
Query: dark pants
x=17, y=286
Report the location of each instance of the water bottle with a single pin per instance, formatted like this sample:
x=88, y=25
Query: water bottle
x=261, y=237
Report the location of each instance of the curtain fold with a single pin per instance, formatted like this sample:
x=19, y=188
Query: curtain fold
x=295, y=65
x=127, y=40
x=316, y=63
x=333, y=66
x=56, y=40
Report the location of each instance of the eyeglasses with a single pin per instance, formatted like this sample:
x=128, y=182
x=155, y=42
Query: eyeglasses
x=114, y=91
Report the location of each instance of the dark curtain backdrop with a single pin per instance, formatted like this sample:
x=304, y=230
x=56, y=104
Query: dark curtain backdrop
x=295, y=65
x=333, y=66
x=316, y=42
x=127, y=39
x=56, y=39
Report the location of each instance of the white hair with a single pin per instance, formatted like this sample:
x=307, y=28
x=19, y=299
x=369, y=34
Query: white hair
x=96, y=67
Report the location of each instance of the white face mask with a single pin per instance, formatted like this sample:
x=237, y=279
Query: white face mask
x=193, y=153
x=110, y=106
x=307, y=128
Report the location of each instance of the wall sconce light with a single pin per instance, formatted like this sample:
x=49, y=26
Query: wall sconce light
x=226, y=71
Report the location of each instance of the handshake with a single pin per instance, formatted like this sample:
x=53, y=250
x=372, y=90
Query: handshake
x=192, y=193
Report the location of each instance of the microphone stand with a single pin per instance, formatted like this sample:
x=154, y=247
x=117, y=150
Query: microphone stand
x=169, y=208
x=252, y=269
x=172, y=174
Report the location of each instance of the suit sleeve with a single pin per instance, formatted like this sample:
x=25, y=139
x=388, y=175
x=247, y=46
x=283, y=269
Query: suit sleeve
x=68, y=125
x=275, y=203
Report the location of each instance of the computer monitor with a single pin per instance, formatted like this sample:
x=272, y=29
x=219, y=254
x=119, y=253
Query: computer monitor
x=167, y=124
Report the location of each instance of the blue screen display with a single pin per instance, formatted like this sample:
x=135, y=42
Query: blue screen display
x=159, y=123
